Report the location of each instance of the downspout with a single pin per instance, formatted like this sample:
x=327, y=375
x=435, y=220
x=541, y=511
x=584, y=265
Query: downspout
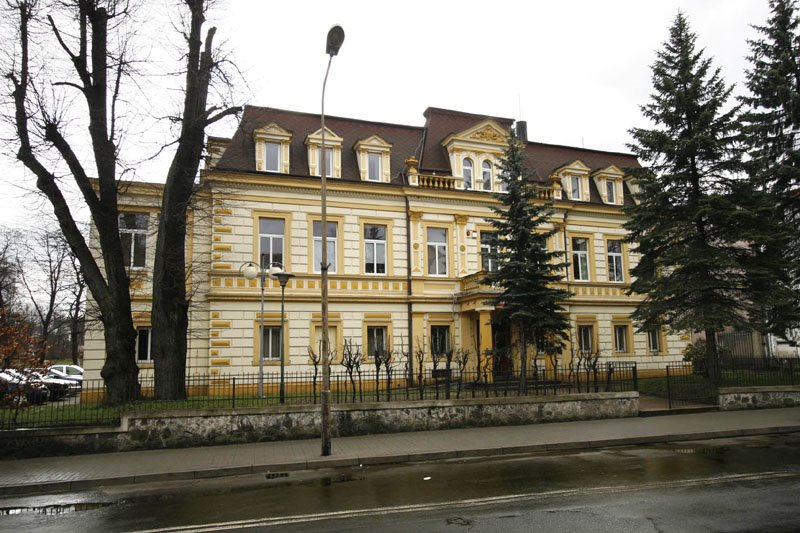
x=566, y=278
x=410, y=308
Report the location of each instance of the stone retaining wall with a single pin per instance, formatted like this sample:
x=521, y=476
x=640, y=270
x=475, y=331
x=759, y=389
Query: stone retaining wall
x=737, y=398
x=181, y=429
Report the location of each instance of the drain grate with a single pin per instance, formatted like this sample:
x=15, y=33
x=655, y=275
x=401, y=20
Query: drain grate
x=276, y=475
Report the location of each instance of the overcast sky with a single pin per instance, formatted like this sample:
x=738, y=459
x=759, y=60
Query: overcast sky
x=576, y=71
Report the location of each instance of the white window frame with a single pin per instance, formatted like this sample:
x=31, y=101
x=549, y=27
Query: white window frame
x=332, y=247
x=580, y=260
x=620, y=338
x=611, y=192
x=468, y=171
x=575, y=187
x=271, y=238
x=654, y=340
x=616, y=272
x=277, y=162
x=440, y=328
x=585, y=338
x=375, y=244
x=372, y=345
x=436, y=250
x=486, y=250
x=271, y=337
x=136, y=234
x=376, y=158
x=487, y=174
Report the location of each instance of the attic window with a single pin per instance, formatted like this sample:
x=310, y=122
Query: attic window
x=575, y=188
x=272, y=148
x=611, y=196
x=333, y=151
x=373, y=159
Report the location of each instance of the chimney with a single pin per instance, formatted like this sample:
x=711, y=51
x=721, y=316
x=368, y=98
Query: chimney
x=521, y=129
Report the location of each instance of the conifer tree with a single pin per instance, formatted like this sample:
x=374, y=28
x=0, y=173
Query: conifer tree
x=529, y=304
x=771, y=132
x=689, y=270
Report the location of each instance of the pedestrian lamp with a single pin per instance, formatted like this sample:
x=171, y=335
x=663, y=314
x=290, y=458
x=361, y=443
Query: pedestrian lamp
x=283, y=279
x=332, y=45
x=251, y=271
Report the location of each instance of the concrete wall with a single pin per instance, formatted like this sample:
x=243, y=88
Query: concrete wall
x=180, y=429
x=737, y=398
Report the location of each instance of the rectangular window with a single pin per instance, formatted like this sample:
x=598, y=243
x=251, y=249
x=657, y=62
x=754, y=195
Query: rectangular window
x=332, y=230
x=271, y=341
x=332, y=339
x=580, y=258
x=575, y=192
x=374, y=167
x=586, y=339
x=654, y=341
x=328, y=162
x=611, y=195
x=133, y=234
x=437, y=251
x=621, y=339
x=376, y=340
x=615, y=261
x=143, y=345
x=272, y=156
x=440, y=340
x=374, y=249
x=488, y=250
x=270, y=240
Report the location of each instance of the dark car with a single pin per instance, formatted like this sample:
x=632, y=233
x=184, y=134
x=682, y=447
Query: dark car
x=15, y=386
x=59, y=388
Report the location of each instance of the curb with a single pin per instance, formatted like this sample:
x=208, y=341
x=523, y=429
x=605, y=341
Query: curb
x=315, y=464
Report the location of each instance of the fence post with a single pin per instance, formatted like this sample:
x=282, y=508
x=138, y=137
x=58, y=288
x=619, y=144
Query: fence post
x=635, y=378
x=233, y=394
x=669, y=391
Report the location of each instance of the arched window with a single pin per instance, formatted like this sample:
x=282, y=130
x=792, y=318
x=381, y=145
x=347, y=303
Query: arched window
x=467, y=164
x=487, y=176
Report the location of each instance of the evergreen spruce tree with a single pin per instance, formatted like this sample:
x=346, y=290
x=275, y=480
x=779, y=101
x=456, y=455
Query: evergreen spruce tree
x=529, y=305
x=771, y=132
x=689, y=270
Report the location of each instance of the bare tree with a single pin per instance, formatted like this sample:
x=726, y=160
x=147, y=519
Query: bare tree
x=95, y=38
x=44, y=274
x=170, y=313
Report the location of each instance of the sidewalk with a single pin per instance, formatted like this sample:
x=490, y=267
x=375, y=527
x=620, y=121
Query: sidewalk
x=86, y=471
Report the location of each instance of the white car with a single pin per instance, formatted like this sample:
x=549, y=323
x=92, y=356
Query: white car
x=70, y=372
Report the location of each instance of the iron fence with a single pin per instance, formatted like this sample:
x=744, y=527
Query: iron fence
x=303, y=388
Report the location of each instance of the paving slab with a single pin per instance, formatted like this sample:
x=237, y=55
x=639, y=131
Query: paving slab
x=82, y=472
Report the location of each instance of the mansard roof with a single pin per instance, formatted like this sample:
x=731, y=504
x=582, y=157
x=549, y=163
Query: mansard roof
x=425, y=143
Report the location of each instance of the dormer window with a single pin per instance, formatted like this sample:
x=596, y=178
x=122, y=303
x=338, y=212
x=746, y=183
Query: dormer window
x=333, y=154
x=575, y=188
x=373, y=159
x=272, y=156
x=272, y=148
x=611, y=195
x=467, y=173
x=486, y=170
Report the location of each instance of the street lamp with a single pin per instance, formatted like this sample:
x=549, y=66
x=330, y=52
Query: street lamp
x=283, y=279
x=251, y=270
x=334, y=42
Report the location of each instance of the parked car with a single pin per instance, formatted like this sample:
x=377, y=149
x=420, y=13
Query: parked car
x=70, y=372
x=59, y=388
x=15, y=385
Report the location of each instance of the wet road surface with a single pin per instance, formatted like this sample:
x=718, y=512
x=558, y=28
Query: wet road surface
x=744, y=484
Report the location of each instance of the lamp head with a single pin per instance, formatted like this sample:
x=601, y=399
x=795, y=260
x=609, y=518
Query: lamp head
x=283, y=278
x=274, y=270
x=250, y=270
x=335, y=40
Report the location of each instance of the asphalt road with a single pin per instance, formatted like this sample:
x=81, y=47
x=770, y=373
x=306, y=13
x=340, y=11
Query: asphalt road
x=745, y=484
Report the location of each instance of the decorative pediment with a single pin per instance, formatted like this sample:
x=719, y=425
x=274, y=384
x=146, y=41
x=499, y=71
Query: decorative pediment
x=374, y=142
x=576, y=167
x=331, y=139
x=487, y=136
x=608, y=181
x=612, y=171
x=271, y=132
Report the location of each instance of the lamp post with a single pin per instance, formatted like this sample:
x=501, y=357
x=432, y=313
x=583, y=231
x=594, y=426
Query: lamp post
x=333, y=43
x=283, y=279
x=251, y=270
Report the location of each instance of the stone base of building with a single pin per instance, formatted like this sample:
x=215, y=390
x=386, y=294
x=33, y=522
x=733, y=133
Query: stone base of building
x=187, y=428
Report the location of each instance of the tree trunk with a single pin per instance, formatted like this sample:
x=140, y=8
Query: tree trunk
x=712, y=356
x=120, y=372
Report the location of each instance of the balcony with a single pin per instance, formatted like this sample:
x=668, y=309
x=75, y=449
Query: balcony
x=428, y=181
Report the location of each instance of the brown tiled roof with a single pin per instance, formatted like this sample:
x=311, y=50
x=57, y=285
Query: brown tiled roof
x=425, y=143
x=240, y=154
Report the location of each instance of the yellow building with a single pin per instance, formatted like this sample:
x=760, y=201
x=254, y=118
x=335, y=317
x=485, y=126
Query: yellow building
x=407, y=210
